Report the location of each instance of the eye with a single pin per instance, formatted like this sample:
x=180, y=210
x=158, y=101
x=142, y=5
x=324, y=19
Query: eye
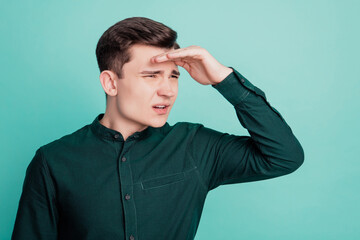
x=175, y=76
x=153, y=75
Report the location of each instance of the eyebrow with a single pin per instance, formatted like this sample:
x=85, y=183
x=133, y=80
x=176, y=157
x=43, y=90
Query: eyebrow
x=158, y=71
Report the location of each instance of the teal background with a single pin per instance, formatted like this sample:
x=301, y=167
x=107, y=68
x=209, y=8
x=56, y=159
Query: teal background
x=303, y=54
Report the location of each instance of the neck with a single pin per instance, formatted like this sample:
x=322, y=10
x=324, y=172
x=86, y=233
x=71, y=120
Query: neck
x=120, y=124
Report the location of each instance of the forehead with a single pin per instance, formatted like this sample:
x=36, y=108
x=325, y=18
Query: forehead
x=141, y=55
x=142, y=49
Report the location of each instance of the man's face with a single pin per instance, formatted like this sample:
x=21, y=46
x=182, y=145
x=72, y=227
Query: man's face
x=140, y=90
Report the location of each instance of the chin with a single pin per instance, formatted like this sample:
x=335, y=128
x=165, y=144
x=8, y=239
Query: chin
x=158, y=124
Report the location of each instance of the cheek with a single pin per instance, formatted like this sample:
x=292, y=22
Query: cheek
x=135, y=99
x=176, y=88
x=129, y=92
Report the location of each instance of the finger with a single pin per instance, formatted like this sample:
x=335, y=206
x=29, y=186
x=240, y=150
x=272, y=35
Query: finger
x=162, y=56
x=178, y=53
x=179, y=63
x=188, y=52
x=183, y=64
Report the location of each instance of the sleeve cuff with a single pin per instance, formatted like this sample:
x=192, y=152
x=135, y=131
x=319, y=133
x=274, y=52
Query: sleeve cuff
x=235, y=87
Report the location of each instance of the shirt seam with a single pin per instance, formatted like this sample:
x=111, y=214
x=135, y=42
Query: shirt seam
x=243, y=96
x=238, y=105
x=47, y=173
x=201, y=179
x=51, y=183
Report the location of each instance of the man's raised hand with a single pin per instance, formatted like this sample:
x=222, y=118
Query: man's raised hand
x=198, y=62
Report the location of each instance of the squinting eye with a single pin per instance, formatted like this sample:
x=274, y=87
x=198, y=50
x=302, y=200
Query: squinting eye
x=150, y=75
x=175, y=76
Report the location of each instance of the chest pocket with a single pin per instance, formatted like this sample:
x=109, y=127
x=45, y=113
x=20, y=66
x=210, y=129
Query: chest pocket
x=163, y=181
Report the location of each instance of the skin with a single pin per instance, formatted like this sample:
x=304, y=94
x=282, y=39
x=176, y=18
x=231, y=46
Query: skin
x=130, y=99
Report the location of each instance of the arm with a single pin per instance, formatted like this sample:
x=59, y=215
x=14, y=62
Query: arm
x=271, y=150
x=37, y=214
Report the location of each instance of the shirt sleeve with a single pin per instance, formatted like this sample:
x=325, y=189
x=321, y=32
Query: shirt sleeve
x=270, y=151
x=37, y=214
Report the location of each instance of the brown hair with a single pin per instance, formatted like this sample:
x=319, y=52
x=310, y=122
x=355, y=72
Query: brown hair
x=112, y=50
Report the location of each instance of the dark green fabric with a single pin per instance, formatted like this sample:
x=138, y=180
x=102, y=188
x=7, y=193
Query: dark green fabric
x=91, y=184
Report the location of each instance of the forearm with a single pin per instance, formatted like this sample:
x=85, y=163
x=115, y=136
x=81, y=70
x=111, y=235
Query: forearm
x=269, y=131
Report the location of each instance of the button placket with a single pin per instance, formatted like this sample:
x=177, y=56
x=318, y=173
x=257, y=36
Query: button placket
x=126, y=182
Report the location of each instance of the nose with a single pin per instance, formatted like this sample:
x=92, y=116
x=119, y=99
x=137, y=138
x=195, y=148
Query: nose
x=168, y=87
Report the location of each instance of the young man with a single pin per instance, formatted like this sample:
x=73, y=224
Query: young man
x=131, y=175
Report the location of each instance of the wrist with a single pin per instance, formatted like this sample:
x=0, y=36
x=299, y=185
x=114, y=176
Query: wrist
x=226, y=71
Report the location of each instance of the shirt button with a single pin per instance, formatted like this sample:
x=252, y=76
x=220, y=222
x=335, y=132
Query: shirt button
x=136, y=136
x=242, y=80
x=127, y=196
x=116, y=136
x=132, y=237
x=123, y=159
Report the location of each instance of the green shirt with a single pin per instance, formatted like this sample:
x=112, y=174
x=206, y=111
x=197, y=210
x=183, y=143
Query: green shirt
x=91, y=184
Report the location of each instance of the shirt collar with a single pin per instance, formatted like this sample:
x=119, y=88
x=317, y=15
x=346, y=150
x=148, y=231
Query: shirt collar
x=111, y=134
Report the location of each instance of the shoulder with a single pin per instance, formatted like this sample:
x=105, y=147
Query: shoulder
x=195, y=133
x=197, y=129
x=187, y=128
x=66, y=143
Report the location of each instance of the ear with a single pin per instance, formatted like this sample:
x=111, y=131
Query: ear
x=108, y=82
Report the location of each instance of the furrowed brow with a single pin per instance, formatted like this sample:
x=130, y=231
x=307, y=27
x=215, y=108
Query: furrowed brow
x=157, y=72
x=151, y=72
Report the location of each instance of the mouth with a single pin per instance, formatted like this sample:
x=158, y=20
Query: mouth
x=161, y=109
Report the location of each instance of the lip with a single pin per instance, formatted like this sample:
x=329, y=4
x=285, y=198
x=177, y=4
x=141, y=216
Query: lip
x=161, y=104
x=161, y=111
